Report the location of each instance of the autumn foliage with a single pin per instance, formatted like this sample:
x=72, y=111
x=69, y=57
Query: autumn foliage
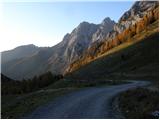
x=125, y=36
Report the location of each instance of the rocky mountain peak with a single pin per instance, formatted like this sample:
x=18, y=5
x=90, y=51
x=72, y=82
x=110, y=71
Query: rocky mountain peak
x=106, y=21
x=84, y=23
x=85, y=28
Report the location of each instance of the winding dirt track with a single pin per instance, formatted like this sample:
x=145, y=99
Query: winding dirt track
x=88, y=103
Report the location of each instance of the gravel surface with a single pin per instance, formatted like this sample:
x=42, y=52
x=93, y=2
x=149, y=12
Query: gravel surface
x=93, y=102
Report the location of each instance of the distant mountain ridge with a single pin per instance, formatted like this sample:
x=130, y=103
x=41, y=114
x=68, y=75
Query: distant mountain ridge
x=19, y=52
x=28, y=61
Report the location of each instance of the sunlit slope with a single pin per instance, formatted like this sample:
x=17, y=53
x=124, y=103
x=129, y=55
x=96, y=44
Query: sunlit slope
x=137, y=58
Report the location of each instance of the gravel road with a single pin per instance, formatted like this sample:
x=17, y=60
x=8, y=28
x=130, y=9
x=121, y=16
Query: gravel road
x=93, y=102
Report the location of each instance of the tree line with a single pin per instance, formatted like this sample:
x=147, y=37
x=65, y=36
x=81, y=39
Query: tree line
x=9, y=86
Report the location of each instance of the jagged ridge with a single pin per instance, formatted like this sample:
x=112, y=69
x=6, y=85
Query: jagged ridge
x=123, y=31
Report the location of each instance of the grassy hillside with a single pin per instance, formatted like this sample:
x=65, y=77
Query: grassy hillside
x=135, y=59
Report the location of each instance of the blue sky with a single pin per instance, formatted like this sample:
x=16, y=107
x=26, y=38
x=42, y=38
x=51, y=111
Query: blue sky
x=45, y=24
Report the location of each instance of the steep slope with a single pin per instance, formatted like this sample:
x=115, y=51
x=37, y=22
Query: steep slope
x=133, y=22
x=57, y=58
x=136, y=59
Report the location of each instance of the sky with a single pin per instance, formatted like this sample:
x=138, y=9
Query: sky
x=46, y=23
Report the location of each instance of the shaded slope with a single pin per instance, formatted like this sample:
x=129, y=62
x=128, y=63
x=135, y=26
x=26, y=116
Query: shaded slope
x=27, y=67
x=19, y=52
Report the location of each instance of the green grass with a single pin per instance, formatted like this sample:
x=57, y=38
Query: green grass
x=16, y=106
x=139, y=103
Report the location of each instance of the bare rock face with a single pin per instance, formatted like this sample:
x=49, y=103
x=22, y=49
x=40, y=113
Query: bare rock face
x=137, y=11
x=104, y=28
x=79, y=39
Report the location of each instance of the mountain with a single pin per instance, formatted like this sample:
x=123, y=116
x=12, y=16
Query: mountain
x=28, y=61
x=19, y=52
x=134, y=60
x=86, y=43
x=26, y=66
x=132, y=23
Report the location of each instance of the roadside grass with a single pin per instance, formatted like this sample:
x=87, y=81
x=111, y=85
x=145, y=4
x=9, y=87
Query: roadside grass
x=139, y=103
x=16, y=106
